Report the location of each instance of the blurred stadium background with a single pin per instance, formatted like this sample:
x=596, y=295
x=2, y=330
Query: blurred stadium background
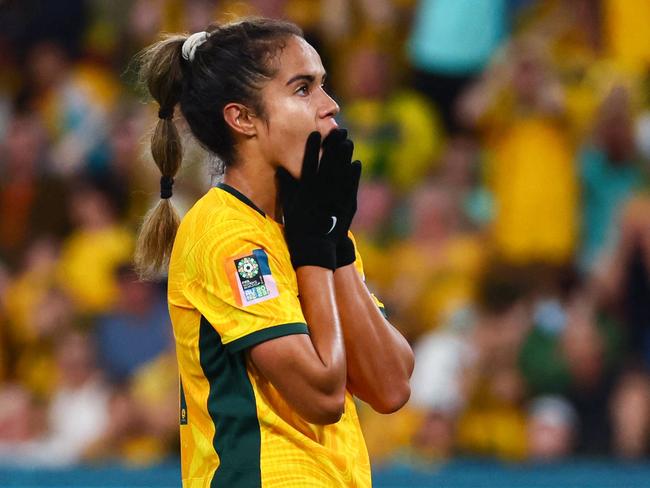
x=504, y=219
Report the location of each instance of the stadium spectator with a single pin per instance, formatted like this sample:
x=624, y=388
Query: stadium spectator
x=77, y=414
x=390, y=125
x=433, y=270
x=93, y=251
x=609, y=175
x=36, y=313
x=518, y=108
x=451, y=42
x=73, y=99
x=136, y=331
x=551, y=429
x=32, y=199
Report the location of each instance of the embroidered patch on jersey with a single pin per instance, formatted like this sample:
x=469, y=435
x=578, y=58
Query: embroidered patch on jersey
x=250, y=278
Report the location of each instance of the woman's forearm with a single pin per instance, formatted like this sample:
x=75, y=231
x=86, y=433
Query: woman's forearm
x=319, y=306
x=379, y=359
x=309, y=371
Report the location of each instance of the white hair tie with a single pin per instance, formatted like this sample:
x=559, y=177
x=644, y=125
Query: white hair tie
x=192, y=43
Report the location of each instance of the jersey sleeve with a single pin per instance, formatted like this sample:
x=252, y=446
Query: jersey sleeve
x=358, y=264
x=245, y=291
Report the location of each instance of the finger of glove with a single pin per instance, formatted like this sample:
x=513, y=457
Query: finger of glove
x=344, y=152
x=335, y=162
x=310, y=160
x=328, y=166
x=334, y=137
x=350, y=189
x=342, y=156
x=355, y=177
x=288, y=187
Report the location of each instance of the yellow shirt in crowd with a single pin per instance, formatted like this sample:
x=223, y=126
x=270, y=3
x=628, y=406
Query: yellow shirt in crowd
x=87, y=267
x=535, y=188
x=627, y=38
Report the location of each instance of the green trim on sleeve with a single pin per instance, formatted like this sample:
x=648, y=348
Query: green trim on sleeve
x=265, y=335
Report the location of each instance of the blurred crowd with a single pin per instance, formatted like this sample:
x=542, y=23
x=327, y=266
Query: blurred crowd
x=504, y=220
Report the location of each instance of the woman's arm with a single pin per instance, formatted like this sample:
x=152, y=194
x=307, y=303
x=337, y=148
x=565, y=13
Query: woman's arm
x=309, y=371
x=379, y=359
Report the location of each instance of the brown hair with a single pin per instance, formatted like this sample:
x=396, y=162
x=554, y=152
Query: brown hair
x=228, y=67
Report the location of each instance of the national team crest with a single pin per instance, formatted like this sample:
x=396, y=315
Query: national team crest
x=250, y=278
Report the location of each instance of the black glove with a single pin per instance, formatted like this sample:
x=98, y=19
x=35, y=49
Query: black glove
x=315, y=213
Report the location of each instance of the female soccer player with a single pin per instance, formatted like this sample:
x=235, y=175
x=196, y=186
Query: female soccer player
x=275, y=329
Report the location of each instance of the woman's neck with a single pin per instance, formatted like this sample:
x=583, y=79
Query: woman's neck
x=257, y=182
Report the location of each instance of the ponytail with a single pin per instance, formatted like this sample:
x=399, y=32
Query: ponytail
x=161, y=73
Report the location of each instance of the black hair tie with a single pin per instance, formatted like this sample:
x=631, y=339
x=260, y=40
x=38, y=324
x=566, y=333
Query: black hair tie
x=166, y=113
x=166, y=183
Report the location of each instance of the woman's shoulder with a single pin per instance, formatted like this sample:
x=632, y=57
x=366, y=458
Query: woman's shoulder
x=215, y=216
x=215, y=210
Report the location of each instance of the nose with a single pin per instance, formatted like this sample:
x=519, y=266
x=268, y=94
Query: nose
x=329, y=107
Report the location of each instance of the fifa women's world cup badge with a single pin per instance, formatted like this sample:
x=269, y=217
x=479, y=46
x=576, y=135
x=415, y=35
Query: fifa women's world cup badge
x=250, y=278
x=247, y=267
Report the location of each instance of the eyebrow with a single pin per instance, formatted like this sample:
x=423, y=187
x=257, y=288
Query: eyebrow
x=308, y=78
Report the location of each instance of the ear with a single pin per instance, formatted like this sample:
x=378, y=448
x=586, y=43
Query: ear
x=240, y=119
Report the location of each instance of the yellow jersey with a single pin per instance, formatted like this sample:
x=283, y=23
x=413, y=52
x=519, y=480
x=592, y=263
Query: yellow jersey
x=231, y=286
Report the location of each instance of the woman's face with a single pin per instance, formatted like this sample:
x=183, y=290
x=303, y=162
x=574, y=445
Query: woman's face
x=296, y=104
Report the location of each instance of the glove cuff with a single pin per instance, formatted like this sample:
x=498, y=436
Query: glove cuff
x=313, y=252
x=345, y=252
